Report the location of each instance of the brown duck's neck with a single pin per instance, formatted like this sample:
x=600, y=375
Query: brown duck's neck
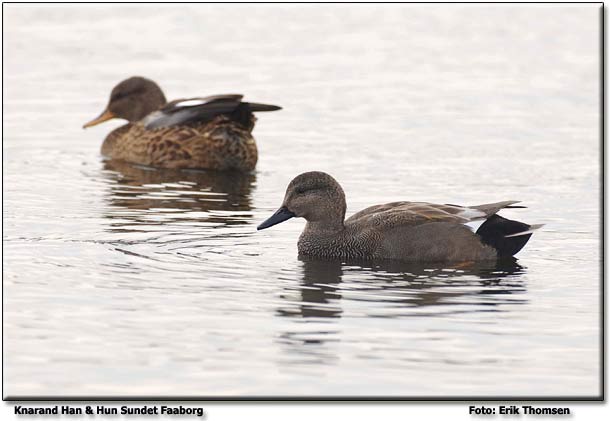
x=154, y=101
x=148, y=108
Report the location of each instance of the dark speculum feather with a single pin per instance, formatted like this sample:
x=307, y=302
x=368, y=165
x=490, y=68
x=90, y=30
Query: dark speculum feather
x=230, y=105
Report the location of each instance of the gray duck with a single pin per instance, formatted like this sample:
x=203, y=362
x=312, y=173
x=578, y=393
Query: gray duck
x=407, y=231
x=213, y=132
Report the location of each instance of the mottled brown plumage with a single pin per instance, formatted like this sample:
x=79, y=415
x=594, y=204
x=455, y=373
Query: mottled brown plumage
x=409, y=231
x=205, y=133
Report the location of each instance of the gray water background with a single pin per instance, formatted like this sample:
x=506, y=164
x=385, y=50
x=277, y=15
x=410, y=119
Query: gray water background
x=123, y=281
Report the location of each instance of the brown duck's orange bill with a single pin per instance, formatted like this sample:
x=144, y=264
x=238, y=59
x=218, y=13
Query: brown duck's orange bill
x=106, y=115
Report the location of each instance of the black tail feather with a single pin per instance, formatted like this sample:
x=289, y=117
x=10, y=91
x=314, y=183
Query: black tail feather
x=494, y=230
x=254, y=107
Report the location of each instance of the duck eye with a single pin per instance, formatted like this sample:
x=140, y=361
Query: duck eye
x=122, y=94
x=303, y=190
x=118, y=96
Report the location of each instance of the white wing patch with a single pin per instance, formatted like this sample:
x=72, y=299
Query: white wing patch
x=190, y=103
x=474, y=225
x=471, y=214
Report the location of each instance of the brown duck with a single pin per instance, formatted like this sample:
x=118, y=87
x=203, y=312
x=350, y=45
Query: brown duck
x=408, y=231
x=213, y=132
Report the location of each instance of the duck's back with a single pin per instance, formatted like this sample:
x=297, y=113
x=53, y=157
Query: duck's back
x=395, y=214
x=210, y=133
x=419, y=231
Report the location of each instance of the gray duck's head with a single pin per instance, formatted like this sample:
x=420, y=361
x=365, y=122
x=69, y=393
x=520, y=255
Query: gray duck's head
x=315, y=196
x=132, y=99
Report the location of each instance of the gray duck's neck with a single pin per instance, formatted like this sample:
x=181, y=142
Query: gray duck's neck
x=319, y=239
x=324, y=228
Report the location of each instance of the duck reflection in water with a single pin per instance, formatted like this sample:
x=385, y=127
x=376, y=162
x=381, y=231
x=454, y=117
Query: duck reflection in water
x=398, y=282
x=394, y=289
x=318, y=294
x=139, y=194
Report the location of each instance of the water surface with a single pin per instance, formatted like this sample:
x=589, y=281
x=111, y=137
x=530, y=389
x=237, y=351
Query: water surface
x=122, y=280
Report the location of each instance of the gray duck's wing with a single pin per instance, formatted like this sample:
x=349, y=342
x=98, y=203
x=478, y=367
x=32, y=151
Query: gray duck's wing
x=435, y=241
x=419, y=231
x=408, y=214
x=196, y=110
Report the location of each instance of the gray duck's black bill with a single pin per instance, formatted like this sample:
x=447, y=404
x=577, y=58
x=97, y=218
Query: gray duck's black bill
x=281, y=215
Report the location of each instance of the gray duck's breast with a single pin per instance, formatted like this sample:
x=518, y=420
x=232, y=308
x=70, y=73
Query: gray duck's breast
x=347, y=244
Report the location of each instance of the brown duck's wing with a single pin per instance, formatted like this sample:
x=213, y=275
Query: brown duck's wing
x=397, y=214
x=181, y=103
x=216, y=104
x=197, y=110
x=191, y=110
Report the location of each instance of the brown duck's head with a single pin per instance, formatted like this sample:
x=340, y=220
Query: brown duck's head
x=132, y=99
x=315, y=196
